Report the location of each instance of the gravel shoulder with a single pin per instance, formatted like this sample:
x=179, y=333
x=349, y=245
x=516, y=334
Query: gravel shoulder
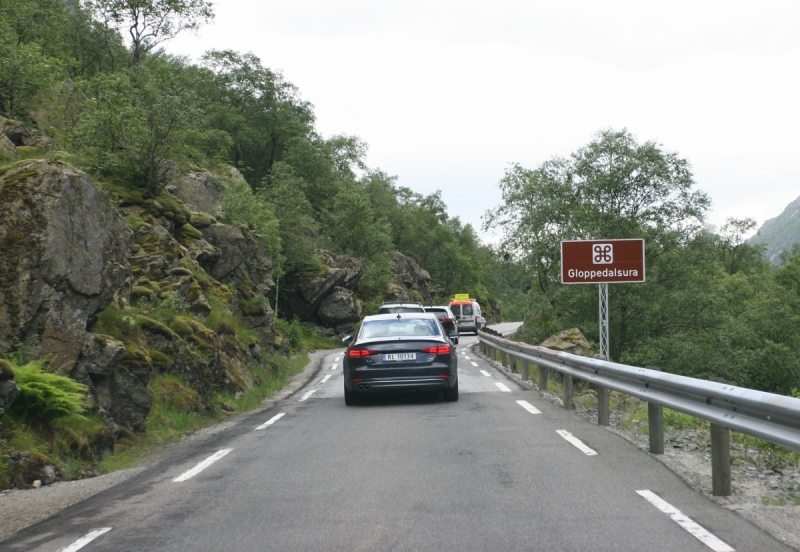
x=687, y=455
x=22, y=508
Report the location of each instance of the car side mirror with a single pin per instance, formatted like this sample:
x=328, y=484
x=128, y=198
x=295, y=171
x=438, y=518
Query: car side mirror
x=347, y=339
x=454, y=337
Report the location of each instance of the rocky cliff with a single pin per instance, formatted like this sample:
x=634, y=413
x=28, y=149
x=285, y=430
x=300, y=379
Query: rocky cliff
x=111, y=295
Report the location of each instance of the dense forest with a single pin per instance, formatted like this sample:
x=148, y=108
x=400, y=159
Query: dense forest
x=712, y=307
x=93, y=79
x=92, y=76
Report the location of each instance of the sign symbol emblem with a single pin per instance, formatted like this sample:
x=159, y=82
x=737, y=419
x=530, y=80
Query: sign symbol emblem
x=602, y=253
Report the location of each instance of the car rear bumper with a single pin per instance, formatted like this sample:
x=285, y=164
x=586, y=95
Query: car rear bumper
x=401, y=384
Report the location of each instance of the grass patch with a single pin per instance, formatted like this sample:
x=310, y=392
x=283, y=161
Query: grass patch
x=303, y=337
x=177, y=410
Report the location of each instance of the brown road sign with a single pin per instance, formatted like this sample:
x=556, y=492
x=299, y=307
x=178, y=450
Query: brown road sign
x=602, y=261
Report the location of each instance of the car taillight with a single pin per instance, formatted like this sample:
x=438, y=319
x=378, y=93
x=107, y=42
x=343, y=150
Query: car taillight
x=448, y=320
x=360, y=353
x=443, y=350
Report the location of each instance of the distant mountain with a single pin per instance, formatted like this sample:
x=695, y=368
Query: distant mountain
x=780, y=233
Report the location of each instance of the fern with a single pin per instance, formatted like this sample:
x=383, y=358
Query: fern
x=45, y=396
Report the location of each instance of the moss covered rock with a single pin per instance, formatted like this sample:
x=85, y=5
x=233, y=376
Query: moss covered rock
x=63, y=254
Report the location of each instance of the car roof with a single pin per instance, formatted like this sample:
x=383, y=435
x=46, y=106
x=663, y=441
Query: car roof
x=394, y=315
x=396, y=303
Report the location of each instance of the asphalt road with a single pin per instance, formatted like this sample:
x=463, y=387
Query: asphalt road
x=404, y=473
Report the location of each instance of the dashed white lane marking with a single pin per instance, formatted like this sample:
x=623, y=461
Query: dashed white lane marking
x=333, y=367
x=474, y=363
x=272, y=420
x=307, y=395
x=326, y=378
x=337, y=359
x=84, y=540
x=678, y=517
x=485, y=373
x=201, y=466
x=502, y=387
x=576, y=442
x=466, y=357
x=529, y=407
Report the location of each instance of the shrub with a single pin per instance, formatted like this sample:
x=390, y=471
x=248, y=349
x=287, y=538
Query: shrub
x=45, y=396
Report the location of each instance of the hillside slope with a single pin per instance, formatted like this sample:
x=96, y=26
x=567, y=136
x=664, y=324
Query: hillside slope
x=779, y=233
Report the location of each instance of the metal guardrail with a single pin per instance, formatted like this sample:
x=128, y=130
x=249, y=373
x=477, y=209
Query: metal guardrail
x=774, y=418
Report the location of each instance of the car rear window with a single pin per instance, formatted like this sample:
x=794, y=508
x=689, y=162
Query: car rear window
x=440, y=313
x=371, y=329
x=392, y=310
x=466, y=310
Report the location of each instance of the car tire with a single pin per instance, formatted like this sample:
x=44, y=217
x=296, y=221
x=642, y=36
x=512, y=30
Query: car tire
x=451, y=395
x=349, y=397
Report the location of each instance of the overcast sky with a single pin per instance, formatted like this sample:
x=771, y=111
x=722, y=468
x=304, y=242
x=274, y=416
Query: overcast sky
x=448, y=93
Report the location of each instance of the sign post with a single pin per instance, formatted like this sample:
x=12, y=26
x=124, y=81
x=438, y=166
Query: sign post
x=602, y=262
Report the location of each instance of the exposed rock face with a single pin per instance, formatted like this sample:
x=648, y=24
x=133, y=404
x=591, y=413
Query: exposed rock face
x=340, y=310
x=63, y=254
x=570, y=341
x=412, y=281
x=198, y=190
x=7, y=147
x=341, y=274
x=8, y=393
x=244, y=262
x=116, y=391
x=17, y=132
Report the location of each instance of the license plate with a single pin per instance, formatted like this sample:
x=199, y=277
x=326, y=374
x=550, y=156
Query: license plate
x=400, y=356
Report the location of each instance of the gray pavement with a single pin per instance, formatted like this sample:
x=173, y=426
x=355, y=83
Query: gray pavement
x=403, y=473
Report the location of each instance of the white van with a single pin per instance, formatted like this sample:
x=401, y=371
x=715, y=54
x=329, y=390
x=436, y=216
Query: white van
x=468, y=314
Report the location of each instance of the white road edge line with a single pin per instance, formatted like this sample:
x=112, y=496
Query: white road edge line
x=271, y=420
x=502, y=387
x=576, y=442
x=678, y=517
x=307, y=395
x=529, y=407
x=485, y=373
x=201, y=466
x=84, y=540
x=474, y=363
x=326, y=378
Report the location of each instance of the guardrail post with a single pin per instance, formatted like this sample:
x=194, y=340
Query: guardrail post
x=720, y=460
x=567, y=392
x=514, y=362
x=525, y=370
x=504, y=359
x=655, y=421
x=543, y=373
x=603, y=406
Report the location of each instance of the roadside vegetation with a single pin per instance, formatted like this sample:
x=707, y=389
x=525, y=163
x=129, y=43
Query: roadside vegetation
x=713, y=307
x=48, y=424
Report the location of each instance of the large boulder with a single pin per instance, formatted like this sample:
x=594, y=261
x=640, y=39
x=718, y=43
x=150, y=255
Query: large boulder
x=340, y=310
x=243, y=255
x=15, y=131
x=198, y=190
x=338, y=272
x=63, y=254
x=414, y=281
x=7, y=147
x=570, y=341
x=116, y=391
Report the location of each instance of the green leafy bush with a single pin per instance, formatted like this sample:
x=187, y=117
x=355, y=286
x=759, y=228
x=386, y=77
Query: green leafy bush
x=45, y=396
